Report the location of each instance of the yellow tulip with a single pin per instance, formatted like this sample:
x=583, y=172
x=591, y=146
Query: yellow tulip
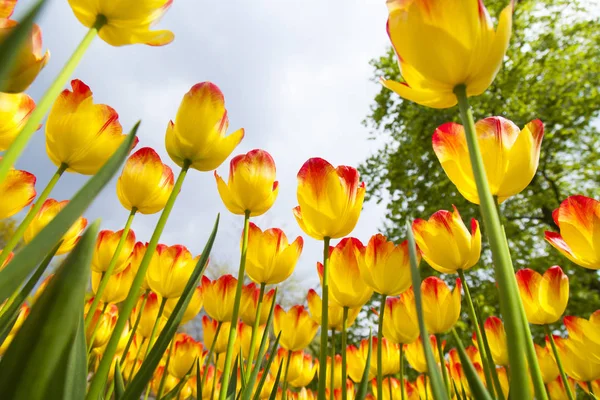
x=249, y=304
x=441, y=46
x=557, y=390
x=304, y=394
x=14, y=113
x=335, y=313
x=193, y=308
x=346, y=288
x=184, y=355
x=390, y=359
x=104, y=323
x=400, y=324
x=510, y=155
x=219, y=296
x=245, y=332
x=446, y=243
x=441, y=308
x=125, y=22
x=106, y=246
x=330, y=199
x=415, y=353
x=392, y=387
x=545, y=296
x=458, y=375
x=170, y=269
x=270, y=258
x=576, y=359
x=198, y=134
x=356, y=360
x=209, y=330
x=17, y=191
x=496, y=336
x=7, y=7
x=337, y=393
x=80, y=134
x=135, y=259
x=308, y=369
x=546, y=361
x=424, y=387
x=587, y=333
x=251, y=186
x=49, y=210
x=300, y=369
x=169, y=382
x=149, y=314
x=337, y=372
x=118, y=285
x=296, y=326
x=211, y=374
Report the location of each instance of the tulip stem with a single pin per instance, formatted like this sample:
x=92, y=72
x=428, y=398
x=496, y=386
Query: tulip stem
x=510, y=302
x=254, y=336
x=163, y=379
x=379, y=348
x=563, y=376
x=285, y=375
x=332, y=366
x=438, y=338
x=344, y=344
x=111, y=267
x=215, y=379
x=99, y=379
x=236, y=310
x=94, y=331
x=20, y=231
x=402, y=386
x=135, y=326
x=324, y=321
x=154, y=331
x=135, y=360
x=210, y=354
x=33, y=123
x=475, y=322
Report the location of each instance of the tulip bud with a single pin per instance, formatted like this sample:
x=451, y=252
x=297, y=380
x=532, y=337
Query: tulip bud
x=544, y=297
x=15, y=110
x=249, y=304
x=209, y=330
x=391, y=389
x=400, y=324
x=356, y=360
x=49, y=210
x=106, y=246
x=149, y=314
x=17, y=191
x=337, y=393
x=390, y=359
x=246, y=337
x=117, y=288
x=170, y=269
x=307, y=369
x=135, y=260
x=546, y=361
x=415, y=353
x=296, y=326
x=336, y=367
x=104, y=323
x=441, y=308
x=7, y=7
x=496, y=336
x=335, y=312
x=169, y=382
x=193, y=308
x=330, y=199
x=219, y=296
x=186, y=351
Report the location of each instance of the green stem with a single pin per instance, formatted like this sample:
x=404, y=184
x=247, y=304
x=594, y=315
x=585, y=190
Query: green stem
x=33, y=123
x=285, y=375
x=510, y=301
x=254, y=336
x=379, y=348
x=425, y=384
x=236, y=310
x=135, y=360
x=110, y=391
x=111, y=267
x=473, y=316
x=94, y=331
x=344, y=344
x=563, y=376
x=332, y=372
x=324, y=321
x=134, y=328
x=215, y=378
x=163, y=379
x=20, y=231
x=438, y=338
x=99, y=379
x=402, y=386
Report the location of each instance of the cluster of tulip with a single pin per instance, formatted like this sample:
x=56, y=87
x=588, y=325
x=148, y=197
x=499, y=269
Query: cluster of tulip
x=121, y=339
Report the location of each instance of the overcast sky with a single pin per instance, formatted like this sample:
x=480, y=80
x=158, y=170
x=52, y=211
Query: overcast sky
x=295, y=75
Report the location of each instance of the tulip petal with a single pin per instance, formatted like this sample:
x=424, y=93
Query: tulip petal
x=16, y=192
x=554, y=293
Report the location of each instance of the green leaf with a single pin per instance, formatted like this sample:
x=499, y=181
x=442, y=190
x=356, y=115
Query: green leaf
x=172, y=395
x=136, y=386
x=198, y=379
x=32, y=254
x=437, y=385
x=477, y=387
x=9, y=48
x=273, y=395
x=119, y=383
x=232, y=388
x=263, y=378
x=361, y=393
x=42, y=361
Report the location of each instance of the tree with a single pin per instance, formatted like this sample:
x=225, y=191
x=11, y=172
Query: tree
x=551, y=72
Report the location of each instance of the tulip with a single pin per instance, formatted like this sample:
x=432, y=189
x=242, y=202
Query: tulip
x=249, y=304
x=400, y=324
x=117, y=287
x=392, y=387
x=102, y=326
x=434, y=57
x=547, y=363
x=209, y=330
x=47, y=212
x=30, y=59
x=14, y=113
x=145, y=183
x=305, y=370
x=446, y=243
x=105, y=249
x=441, y=308
x=135, y=260
x=219, y=296
x=270, y=259
x=246, y=337
x=415, y=353
x=330, y=199
x=338, y=395
x=457, y=373
x=336, y=368
x=357, y=361
x=81, y=135
x=383, y=259
x=576, y=359
x=346, y=287
x=184, y=355
x=544, y=297
x=496, y=336
x=298, y=361
x=193, y=308
x=473, y=354
x=296, y=326
x=557, y=389
x=586, y=332
x=335, y=312
x=23, y=313
x=251, y=186
x=149, y=314
x=305, y=394
x=578, y=218
x=17, y=191
x=169, y=382
x=390, y=358
x=424, y=387
x=197, y=137
x=207, y=384
x=7, y=7
x=267, y=388
x=129, y=22
x=170, y=270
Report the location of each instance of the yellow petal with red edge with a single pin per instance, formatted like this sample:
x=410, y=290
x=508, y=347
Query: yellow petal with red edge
x=554, y=293
x=496, y=335
x=7, y=7
x=17, y=191
x=14, y=113
x=436, y=296
x=529, y=282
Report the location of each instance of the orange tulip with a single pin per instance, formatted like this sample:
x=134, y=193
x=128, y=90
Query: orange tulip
x=270, y=259
x=445, y=242
x=145, y=183
x=7, y=7
x=346, y=287
x=106, y=246
x=249, y=304
x=198, y=134
x=383, y=259
x=330, y=199
x=80, y=134
x=546, y=362
x=149, y=314
x=219, y=296
x=415, y=353
x=170, y=269
x=17, y=191
x=184, y=355
x=14, y=113
x=103, y=322
x=118, y=285
x=400, y=324
x=296, y=326
x=441, y=307
x=193, y=308
x=496, y=336
x=251, y=186
x=209, y=330
x=129, y=22
x=557, y=390
x=587, y=333
x=578, y=218
x=30, y=59
x=544, y=297
x=335, y=313
x=49, y=210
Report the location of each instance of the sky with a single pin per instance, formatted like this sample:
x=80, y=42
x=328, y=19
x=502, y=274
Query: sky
x=295, y=75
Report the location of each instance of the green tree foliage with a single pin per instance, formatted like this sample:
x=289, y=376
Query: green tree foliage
x=551, y=72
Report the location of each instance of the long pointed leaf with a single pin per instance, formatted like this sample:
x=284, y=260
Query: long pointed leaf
x=119, y=383
x=232, y=388
x=31, y=255
x=172, y=395
x=136, y=386
x=273, y=395
x=477, y=387
x=75, y=375
x=43, y=345
x=361, y=393
x=263, y=378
